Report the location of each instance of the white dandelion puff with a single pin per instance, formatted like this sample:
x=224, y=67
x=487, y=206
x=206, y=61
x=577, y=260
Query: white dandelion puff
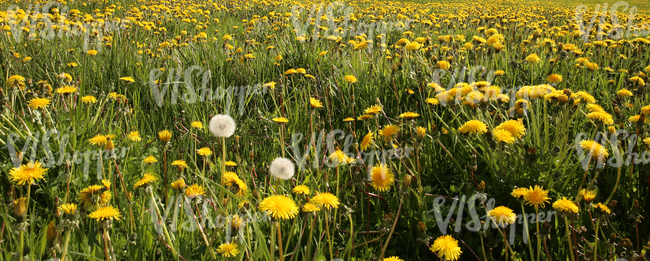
x=282, y=168
x=222, y=125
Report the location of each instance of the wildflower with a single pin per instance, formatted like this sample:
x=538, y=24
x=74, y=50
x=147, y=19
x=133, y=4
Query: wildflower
x=301, y=190
x=89, y=99
x=389, y=131
x=95, y=195
x=92, y=52
x=444, y=65
x=338, y=157
x=68, y=208
x=205, y=152
x=315, y=103
x=554, y=78
x=350, y=79
x=310, y=207
x=373, y=109
x=367, y=141
x=127, y=79
x=412, y=46
x=150, y=160
x=197, y=125
x=194, y=191
x=420, y=132
x=566, y=206
x=602, y=209
x=108, y=212
x=536, y=196
x=503, y=216
x=230, y=164
x=180, y=164
x=603, y=117
x=516, y=128
x=146, y=180
x=587, y=195
x=179, y=184
x=447, y=248
x=279, y=207
x=38, y=103
x=382, y=177
x=624, y=93
x=327, y=200
x=409, y=115
x=392, y=258
x=228, y=249
x=533, y=58
x=503, y=136
x=164, y=136
x=27, y=174
x=269, y=85
x=68, y=89
x=599, y=152
x=519, y=193
x=282, y=168
x=432, y=101
x=473, y=127
x=16, y=81
x=134, y=136
x=222, y=126
x=281, y=120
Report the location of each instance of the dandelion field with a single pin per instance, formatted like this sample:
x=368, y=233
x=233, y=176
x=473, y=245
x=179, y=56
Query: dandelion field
x=315, y=130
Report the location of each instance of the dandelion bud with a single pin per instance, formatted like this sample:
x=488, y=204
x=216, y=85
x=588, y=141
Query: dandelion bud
x=422, y=226
x=636, y=203
x=407, y=180
x=20, y=209
x=109, y=144
x=51, y=234
x=481, y=187
x=421, y=131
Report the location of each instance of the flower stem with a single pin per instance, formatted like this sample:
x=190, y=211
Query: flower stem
x=530, y=246
x=568, y=237
x=280, y=241
x=66, y=241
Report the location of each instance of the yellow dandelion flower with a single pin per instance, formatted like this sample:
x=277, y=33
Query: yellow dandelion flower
x=197, y=125
x=382, y=177
x=409, y=115
x=310, y=207
x=150, y=160
x=503, y=216
x=536, y=196
x=134, y=136
x=68, y=208
x=367, y=141
x=447, y=248
x=146, y=180
x=327, y=200
x=519, y=193
x=350, y=79
x=503, y=136
x=301, y=190
x=566, y=206
x=178, y=184
x=194, y=191
x=228, y=249
x=602, y=209
x=596, y=149
x=587, y=195
x=95, y=195
x=27, y=174
x=373, y=109
x=473, y=127
x=516, y=128
x=279, y=207
x=164, y=135
x=281, y=120
x=38, y=103
x=315, y=103
x=108, y=212
x=205, y=152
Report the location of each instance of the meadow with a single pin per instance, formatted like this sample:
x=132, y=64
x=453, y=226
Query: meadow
x=318, y=130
